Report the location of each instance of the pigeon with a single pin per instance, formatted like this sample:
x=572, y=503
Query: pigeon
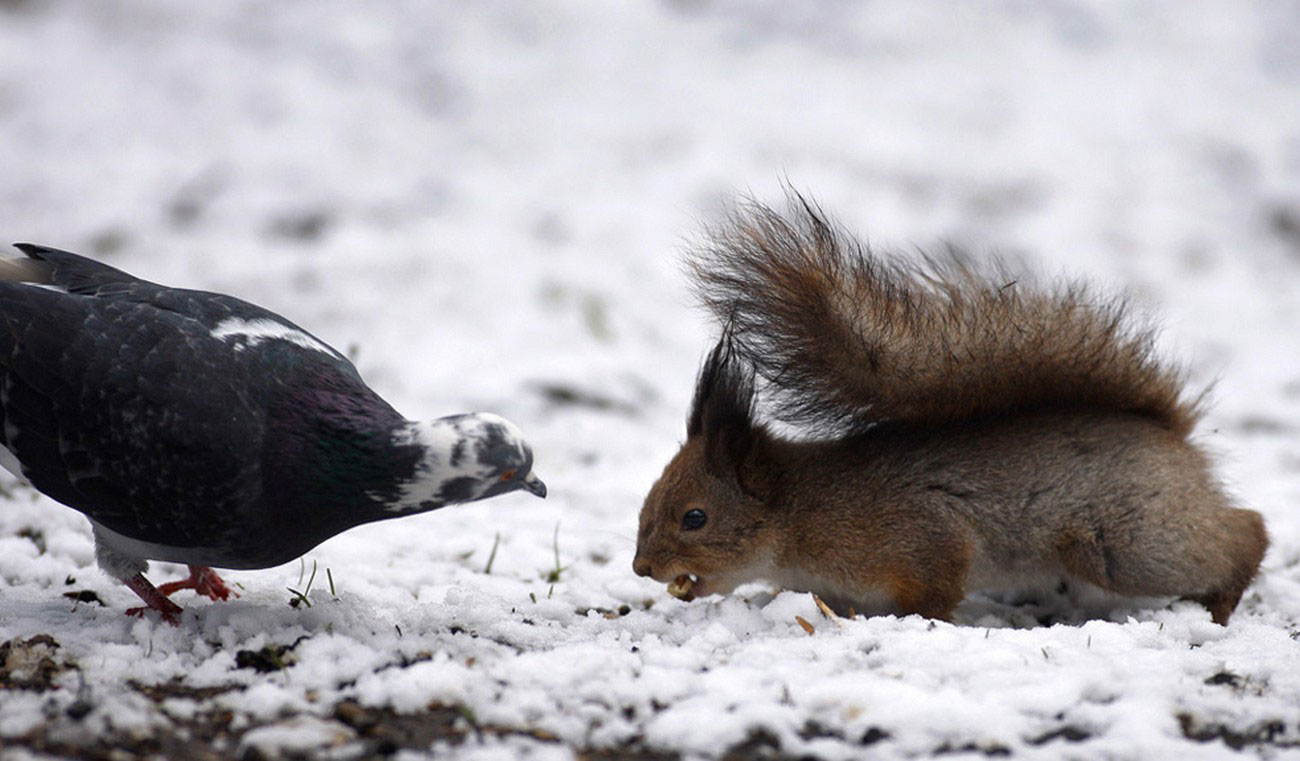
x=196, y=428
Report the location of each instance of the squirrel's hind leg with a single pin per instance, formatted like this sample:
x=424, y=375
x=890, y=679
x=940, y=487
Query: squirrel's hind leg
x=1207, y=555
x=1244, y=543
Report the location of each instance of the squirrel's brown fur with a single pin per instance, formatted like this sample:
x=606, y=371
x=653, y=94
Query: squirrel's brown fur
x=845, y=335
x=984, y=432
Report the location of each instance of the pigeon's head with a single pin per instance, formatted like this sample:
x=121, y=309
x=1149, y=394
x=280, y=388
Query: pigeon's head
x=466, y=458
x=500, y=454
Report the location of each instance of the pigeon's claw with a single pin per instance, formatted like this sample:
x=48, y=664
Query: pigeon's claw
x=202, y=580
x=171, y=617
x=153, y=599
x=213, y=587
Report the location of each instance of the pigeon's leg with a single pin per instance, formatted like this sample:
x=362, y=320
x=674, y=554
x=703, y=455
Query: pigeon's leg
x=203, y=580
x=153, y=600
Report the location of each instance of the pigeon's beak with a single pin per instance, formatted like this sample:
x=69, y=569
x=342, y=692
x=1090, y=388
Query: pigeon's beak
x=534, y=484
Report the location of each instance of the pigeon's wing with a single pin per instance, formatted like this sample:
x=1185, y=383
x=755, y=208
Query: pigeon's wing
x=117, y=409
x=218, y=313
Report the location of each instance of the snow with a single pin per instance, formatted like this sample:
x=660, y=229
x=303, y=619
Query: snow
x=304, y=733
x=485, y=201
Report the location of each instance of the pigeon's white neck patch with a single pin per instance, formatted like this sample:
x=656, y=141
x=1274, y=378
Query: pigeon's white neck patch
x=254, y=332
x=453, y=469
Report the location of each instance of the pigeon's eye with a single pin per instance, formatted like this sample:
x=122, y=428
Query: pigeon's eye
x=693, y=519
x=509, y=474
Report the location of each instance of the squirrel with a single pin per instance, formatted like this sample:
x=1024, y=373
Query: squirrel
x=960, y=428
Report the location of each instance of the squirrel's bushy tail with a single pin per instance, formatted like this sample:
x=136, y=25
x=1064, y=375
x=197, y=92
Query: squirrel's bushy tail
x=844, y=336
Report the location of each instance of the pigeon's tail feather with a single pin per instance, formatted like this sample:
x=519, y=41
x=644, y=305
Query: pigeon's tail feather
x=72, y=272
x=24, y=271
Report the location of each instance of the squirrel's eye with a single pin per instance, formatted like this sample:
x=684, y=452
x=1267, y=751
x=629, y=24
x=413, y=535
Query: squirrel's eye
x=693, y=519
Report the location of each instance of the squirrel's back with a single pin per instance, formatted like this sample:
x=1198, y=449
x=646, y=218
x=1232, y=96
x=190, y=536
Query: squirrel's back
x=844, y=336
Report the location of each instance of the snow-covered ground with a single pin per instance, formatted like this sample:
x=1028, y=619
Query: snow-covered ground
x=484, y=201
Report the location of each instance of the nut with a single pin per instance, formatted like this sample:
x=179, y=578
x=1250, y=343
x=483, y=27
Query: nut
x=680, y=587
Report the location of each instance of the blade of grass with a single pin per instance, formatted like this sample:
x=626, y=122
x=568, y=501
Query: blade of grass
x=555, y=543
x=301, y=597
x=496, y=542
x=553, y=576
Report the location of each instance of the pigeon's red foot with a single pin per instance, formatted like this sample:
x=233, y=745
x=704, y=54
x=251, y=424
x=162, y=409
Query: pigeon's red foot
x=202, y=580
x=153, y=599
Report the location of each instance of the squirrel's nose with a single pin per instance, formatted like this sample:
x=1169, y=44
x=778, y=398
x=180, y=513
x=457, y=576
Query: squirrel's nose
x=641, y=566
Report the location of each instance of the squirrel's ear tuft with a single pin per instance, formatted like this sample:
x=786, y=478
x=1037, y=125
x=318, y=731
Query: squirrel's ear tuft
x=723, y=413
x=724, y=392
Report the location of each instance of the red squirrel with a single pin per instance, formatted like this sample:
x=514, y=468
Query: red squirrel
x=959, y=428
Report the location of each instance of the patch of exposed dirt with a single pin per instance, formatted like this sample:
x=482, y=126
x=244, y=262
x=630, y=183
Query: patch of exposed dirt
x=30, y=664
x=364, y=732
x=356, y=731
x=1271, y=734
